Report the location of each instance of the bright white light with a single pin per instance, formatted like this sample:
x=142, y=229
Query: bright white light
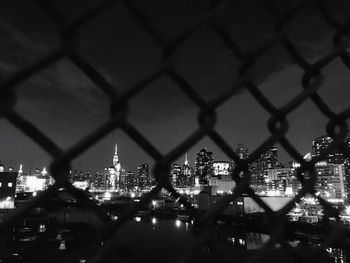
x=347, y=210
x=273, y=193
x=7, y=204
x=35, y=184
x=137, y=219
x=289, y=190
x=154, y=220
x=132, y=195
x=42, y=228
x=81, y=184
x=62, y=245
x=177, y=223
x=107, y=196
x=34, y=193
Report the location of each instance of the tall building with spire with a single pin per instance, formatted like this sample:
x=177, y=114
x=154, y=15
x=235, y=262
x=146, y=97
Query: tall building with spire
x=114, y=171
x=115, y=156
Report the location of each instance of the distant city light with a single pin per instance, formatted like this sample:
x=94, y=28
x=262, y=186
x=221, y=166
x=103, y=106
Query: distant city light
x=81, y=184
x=347, y=210
x=62, y=245
x=177, y=223
x=107, y=196
x=137, y=219
x=132, y=195
x=154, y=220
x=34, y=183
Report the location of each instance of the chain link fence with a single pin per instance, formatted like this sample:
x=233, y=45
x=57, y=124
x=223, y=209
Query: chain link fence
x=311, y=82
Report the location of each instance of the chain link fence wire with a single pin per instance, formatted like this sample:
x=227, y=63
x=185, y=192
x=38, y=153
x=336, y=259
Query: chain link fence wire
x=278, y=125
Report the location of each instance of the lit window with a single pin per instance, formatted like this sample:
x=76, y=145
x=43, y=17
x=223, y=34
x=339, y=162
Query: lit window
x=9, y=184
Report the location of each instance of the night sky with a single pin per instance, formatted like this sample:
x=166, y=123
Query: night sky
x=66, y=105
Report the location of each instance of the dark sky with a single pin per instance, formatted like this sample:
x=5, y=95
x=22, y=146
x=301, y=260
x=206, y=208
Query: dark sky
x=67, y=106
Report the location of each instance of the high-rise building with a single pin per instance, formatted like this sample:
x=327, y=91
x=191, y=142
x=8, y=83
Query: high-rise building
x=144, y=180
x=130, y=181
x=243, y=154
x=204, y=166
x=278, y=180
x=7, y=188
x=333, y=171
x=188, y=174
x=347, y=169
x=267, y=160
x=114, y=171
x=99, y=180
x=330, y=182
x=175, y=175
x=241, y=151
x=320, y=144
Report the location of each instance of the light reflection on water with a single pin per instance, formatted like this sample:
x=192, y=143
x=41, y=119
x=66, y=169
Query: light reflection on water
x=238, y=238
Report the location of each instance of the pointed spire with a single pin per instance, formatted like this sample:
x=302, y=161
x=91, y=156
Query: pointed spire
x=186, y=161
x=20, y=171
x=115, y=156
x=44, y=172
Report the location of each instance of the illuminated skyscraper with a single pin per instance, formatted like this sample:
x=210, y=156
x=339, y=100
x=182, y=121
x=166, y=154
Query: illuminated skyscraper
x=99, y=181
x=267, y=160
x=114, y=177
x=7, y=188
x=188, y=174
x=330, y=183
x=204, y=166
x=320, y=144
x=144, y=179
x=241, y=151
x=175, y=175
x=130, y=181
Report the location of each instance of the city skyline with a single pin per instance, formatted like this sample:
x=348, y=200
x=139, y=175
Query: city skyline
x=114, y=158
x=160, y=131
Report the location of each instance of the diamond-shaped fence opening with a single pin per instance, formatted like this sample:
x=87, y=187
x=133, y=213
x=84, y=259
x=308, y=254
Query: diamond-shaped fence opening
x=109, y=243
